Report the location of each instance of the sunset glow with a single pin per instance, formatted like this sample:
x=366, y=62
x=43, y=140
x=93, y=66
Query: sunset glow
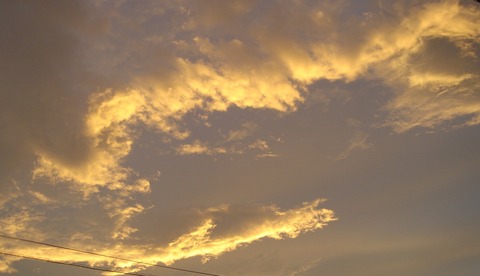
x=240, y=137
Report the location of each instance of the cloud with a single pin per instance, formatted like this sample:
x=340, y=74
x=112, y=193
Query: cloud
x=436, y=76
x=306, y=268
x=264, y=68
x=107, y=128
x=36, y=111
x=22, y=222
x=246, y=130
x=261, y=148
x=41, y=198
x=198, y=147
x=77, y=91
x=110, y=140
x=224, y=228
x=442, y=86
x=404, y=49
x=358, y=141
x=396, y=43
x=5, y=265
x=220, y=229
x=9, y=190
x=458, y=103
x=236, y=141
x=66, y=134
x=43, y=87
x=51, y=130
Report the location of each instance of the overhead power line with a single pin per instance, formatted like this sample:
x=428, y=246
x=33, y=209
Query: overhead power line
x=106, y=256
x=74, y=264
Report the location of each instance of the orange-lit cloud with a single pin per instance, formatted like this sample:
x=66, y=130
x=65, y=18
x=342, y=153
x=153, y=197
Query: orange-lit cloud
x=75, y=132
x=199, y=148
x=308, y=42
x=264, y=68
x=222, y=228
x=234, y=72
x=225, y=228
x=110, y=140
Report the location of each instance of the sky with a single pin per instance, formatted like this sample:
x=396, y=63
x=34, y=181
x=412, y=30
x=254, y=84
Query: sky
x=241, y=137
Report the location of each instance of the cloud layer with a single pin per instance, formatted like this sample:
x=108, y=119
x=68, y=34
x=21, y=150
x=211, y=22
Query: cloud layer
x=219, y=229
x=258, y=67
x=80, y=82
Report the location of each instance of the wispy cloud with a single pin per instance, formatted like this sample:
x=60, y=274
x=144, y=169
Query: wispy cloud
x=198, y=147
x=357, y=142
x=306, y=268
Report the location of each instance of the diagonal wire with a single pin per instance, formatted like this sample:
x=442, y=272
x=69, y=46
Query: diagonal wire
x=74, y=264
x=106, y=256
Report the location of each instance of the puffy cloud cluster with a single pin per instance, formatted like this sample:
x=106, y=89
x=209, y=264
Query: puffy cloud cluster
x=268, y=63
x=265, y=64
x=426, y=52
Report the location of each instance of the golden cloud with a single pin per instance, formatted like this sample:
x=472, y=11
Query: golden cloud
x=110, y=140
x=268, y=67
x=198, y=147
x=223, y=228
x=308, y=42
x=234, y=72
x=267, y=64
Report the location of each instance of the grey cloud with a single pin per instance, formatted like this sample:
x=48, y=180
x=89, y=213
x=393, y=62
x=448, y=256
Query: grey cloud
x=440, y=85
x=45, y=84
x=40, y=95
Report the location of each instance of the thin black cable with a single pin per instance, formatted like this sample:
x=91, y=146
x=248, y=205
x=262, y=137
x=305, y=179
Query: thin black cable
x=106, y=256
x=74, y=264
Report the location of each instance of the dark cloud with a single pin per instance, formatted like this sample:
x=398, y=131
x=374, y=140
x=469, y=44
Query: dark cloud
x=40, y=90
